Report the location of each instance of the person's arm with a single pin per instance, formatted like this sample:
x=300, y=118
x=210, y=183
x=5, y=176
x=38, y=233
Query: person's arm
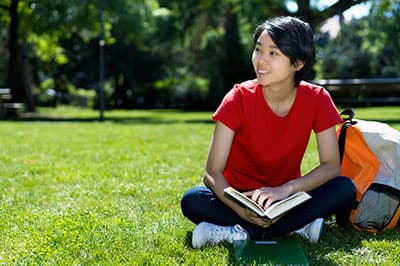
x=328, y=168
x=217, y=157
x=213, y=177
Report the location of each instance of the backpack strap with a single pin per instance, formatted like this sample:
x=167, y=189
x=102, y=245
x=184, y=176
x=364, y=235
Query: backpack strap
x=342, y=135
x=386, y=189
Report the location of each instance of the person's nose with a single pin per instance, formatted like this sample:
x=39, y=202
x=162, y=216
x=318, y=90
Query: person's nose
x=264, y=58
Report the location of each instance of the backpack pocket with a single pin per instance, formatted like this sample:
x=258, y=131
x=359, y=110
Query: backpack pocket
x=384, y=206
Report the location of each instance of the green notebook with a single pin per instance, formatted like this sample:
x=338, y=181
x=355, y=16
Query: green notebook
x=278, y=252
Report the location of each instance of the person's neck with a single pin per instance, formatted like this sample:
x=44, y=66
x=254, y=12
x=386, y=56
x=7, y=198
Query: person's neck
x=280, y=100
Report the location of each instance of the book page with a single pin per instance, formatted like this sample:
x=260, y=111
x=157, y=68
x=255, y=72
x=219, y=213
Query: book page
x=280, y=207
x=248, y=202
x=275, y=210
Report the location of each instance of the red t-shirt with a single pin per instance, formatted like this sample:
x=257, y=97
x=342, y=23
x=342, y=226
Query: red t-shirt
x=267, y=150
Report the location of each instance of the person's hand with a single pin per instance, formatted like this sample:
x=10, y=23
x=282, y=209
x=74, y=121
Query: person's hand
x=252, y=217
x=265, y=196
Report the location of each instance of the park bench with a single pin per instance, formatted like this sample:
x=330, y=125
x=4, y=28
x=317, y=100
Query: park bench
x=8, y=109
x=363, y=92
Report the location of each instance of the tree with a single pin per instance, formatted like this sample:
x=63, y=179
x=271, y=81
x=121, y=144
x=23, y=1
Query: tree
x=44, y=25
x=27, y=20
x=367, y=47
x=342, y=56
x=13, y=69
x=307, y=10
x=226, y=29
x=380, y=38
x=157, y=50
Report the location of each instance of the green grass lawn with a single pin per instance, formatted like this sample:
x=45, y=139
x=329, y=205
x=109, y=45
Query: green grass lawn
x=75, y=191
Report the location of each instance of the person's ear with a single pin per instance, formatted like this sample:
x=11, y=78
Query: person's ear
x=298, y=65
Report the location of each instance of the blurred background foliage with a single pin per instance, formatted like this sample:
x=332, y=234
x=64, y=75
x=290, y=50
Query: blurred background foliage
x=173, y=53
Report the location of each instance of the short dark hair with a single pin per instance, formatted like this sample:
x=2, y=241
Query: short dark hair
x=294, y=38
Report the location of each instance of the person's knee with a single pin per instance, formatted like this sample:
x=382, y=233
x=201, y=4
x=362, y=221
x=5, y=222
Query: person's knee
x=345, y=187
x=187, y=200
x=190, y=201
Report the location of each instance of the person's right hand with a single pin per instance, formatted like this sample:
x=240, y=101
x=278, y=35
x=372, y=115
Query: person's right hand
x=252, y=217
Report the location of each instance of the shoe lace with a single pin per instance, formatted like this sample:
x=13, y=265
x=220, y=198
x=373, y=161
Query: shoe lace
x=228, y=233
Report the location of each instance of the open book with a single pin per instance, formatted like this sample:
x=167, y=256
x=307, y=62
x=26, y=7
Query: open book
x=277, y=209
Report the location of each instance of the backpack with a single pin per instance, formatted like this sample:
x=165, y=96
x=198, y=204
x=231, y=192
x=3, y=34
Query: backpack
x=370, y=156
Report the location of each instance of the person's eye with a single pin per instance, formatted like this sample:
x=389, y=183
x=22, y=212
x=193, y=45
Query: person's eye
x=257, y=49
x=274, y=53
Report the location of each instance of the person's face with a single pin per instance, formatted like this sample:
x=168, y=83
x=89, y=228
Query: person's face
x=271, y=66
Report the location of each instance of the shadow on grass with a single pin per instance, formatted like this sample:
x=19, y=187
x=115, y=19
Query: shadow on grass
x=335, y=243
x=359, y=247
x=228, y=246
x=113, y=119
x=188, y=239
x=154, y=118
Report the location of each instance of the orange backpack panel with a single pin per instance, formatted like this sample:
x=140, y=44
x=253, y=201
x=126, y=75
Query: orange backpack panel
x=358, y=162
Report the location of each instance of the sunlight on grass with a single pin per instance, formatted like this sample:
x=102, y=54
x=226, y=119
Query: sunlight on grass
x=77, y=191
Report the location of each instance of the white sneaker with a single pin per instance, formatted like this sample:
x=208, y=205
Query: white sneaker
x=210, y=233
x=312, y=231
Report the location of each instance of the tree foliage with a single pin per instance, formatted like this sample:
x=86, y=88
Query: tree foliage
x=159, y=53
x=367, y=47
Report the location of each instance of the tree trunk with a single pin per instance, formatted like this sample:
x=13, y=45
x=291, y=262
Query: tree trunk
x=236, y=69
x=13, y=70
x=305, y=11
x=26, y=79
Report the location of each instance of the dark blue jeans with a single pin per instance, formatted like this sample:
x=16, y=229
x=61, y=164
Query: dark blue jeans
x=336, y=196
